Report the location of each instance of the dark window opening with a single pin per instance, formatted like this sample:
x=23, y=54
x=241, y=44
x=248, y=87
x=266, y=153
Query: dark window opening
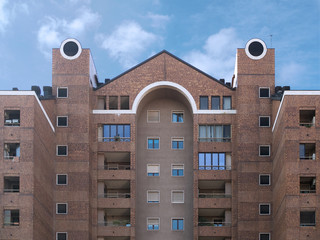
x=264, y=150
x=307, y=118
x=62, y=121
x=264, y=92
x=264, y=209
x=61, y=236
x=70, y=49
x=11, y=150
x=62, y=151
x=264, y=236
x=214, y=133
x=12, y=117
x=264, y=121
x=307, y=151
x=11, y=184
x=124, y=102
x=11, y=217
x=62, y=179
x=215, y=102
x=116, y=133
x=62, y=92
x=307, y=184
x=61, y=208
x=255, y=49
x=204, y=102
x=307, y=218
x=113, y=102
x=264, y=179
x=227, y=103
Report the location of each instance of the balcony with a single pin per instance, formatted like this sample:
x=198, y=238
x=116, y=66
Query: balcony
x=214, y=194
x=307, y=118
x=114, y=165
x=114, y=194
x=307, y=151
x=11, y=184
x=12, y=151
x=307, y=184
x=12, y=117
x=11, y=217
x=114, y=222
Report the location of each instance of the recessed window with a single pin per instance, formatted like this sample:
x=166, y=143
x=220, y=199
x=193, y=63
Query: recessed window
x=61, y=208
x=61, y=236
x=116, y=133
x=12, y=117
x=177, y=224
x=153, y=116
x=307, y=218
x=153, y=224
x=213, y=161
x=204, y=102
x=307, y=118
x=12, y=151
x=177, y=170
x=264, y=209
x=62, y=150
x=215, y=102
x=214, y=133
x=227, y=103
x=113, y=102
x=62, y=121
x=153, y=169
x=62, y=179
x=124, y=102
x=11, y=184
x=307, y=151
x=264, y=236
x=307, y=184
x=177, y=116
x=11, y=217
x=177, y=196
x=153, y=196
x=264, y=92
x=264, y=121
x=264, y=150
x=101, y=104
x=153, y=143
x=264, y=179
x=177, y=143
x=62, y=92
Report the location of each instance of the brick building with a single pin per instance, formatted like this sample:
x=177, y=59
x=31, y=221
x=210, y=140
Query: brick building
x=162, y=151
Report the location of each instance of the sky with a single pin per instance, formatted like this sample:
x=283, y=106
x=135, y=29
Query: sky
x=123, y=33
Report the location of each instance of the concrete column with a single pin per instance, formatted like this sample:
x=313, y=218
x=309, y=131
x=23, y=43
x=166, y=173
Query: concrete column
x=100, y=134
x=227, y=188
x=100, y=161
x=227, y=216
x=100, y=189
x=228, y=161
x=101, y=216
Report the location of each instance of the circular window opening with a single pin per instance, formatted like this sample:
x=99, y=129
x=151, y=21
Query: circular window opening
x=70, y=49
x=256, y=49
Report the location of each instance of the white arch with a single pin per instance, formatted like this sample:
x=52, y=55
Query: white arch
x=161, y=84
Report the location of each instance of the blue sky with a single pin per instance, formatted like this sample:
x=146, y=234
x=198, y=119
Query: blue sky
x=123, y=33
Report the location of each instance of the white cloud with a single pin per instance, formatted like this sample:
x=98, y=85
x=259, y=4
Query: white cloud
x=55, y=30
x=218, y=55
x=291, y=72
x=157, y=20
x=4, y=15
x=127, y=42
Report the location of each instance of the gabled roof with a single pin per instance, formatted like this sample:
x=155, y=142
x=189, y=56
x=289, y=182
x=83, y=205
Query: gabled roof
x=171, y=55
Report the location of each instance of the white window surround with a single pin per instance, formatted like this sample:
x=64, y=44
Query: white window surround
x=61, y=232
x=177, y=139
x=62, y=117
x=177, y=112
x=61, y=174
x=269, y=150
x=62, y=88
x=264, y=117
x=178, y=218
x=153, y=221
x=156, y=196
x=62, y=146
x=264, y=233
x=164, y=84
x=265, y=214
x=173, y=192
x=177, y=166
x=148, y=143
x=153, y=168
x=269, y=180
x=63, y=204
x=148, y=111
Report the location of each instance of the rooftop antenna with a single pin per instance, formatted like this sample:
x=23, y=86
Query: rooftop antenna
x=270, y=40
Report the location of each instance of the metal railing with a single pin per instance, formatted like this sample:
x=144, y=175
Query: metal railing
x=12, y=122
x=215, y=224
x=307, y=224
x=11, y=190
x=114, y=139
x=310, y=157
x=214, y=195
x=307, y=124
x=11, y=223
x=114, y=195
x=115, y=223
x=307, y=191
x=224, y=139
x=114, y=166
x=214, y=167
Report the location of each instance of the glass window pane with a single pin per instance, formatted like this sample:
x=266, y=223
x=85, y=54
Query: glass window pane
x=204, y=102
x=156, y=143
x=120, y=131
x=180, y=227
x=113, y=131
x=222, y=161
x=215, y=103
x=174, y=224
x=201, y=161
x=215, y=161
x=226, y=103
x=208, y=161
x=226, y=132
x=180, y=144
x=127, y=131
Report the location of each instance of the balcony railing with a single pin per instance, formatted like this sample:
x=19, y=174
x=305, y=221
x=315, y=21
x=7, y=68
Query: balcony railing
x=115, y=223
x=214, y=167
x=11, y=224
x=307, y=224
x=307, y=191
x=214, y=195
x=10, y=190
x=224, y=139
x=310, y=157
x=12, y=122
x=215, y=224
x=307, y=124
x=114, y=139
x=114, y=195
x=115, y=166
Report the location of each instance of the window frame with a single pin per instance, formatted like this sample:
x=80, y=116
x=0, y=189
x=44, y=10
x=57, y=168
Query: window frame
x=151, y=164
x=269, y=175
x=219, y=106
x=11, y=224
x=264, y=88
x=153, y=191
x=213, y=129
x=66, y=233
x=172, y=168
x=57, y=208
x=177, y=112
x=177, y=218
x=12, y=189
x=213, y=156
x=58, y=96
x=269, y=123
x=62, y=117
x=152, y=224
x=107, y=132
x=269, y=154
x=148, y=121
x=264, y=233
x=11, y=123
x=200, y=105
x=57, y=152
x=175, y=139
x=153, y=138
x=57, y=179
x=110, y=102
x=264, y=204
x=122, y=98
x=177, y=191
x=304, y=224
x=223, y=98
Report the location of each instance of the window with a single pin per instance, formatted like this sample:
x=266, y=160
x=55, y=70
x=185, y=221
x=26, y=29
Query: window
x=62, y=179
x=177, y=196
x=153, y=116
x=153, y=223
x=124, y=102
x=61, y=236
x=307, y=184
x=101, y=104
x=116, y=133
x=11, y=184
x=12, y=117
x=264, y=209
x=215, y=102
x=264, y=236
x=214, y=133
x=153, y=169
x=62, y=121
x=264, y=92
x=113, y=102
x=204, y=102
x=307, y=151
x=177, y=224
x=212, y=161
x=177, y=170
x=61, y=208
x=307, y=218
x=62, y=150
x=11, y=217
x=264, y=179
x=264, y=121
x=153, y=143
x=227, y=103
x=62, y=92
x=264, y=150
x=153, y=196
x=11, y=150
x=177, y=143
x=307, y=118
x=177, y=116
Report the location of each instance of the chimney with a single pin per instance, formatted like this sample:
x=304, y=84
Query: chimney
x=36, y=89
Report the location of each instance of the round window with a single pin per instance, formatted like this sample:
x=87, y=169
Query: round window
x=256, y=49
x=70, y=49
